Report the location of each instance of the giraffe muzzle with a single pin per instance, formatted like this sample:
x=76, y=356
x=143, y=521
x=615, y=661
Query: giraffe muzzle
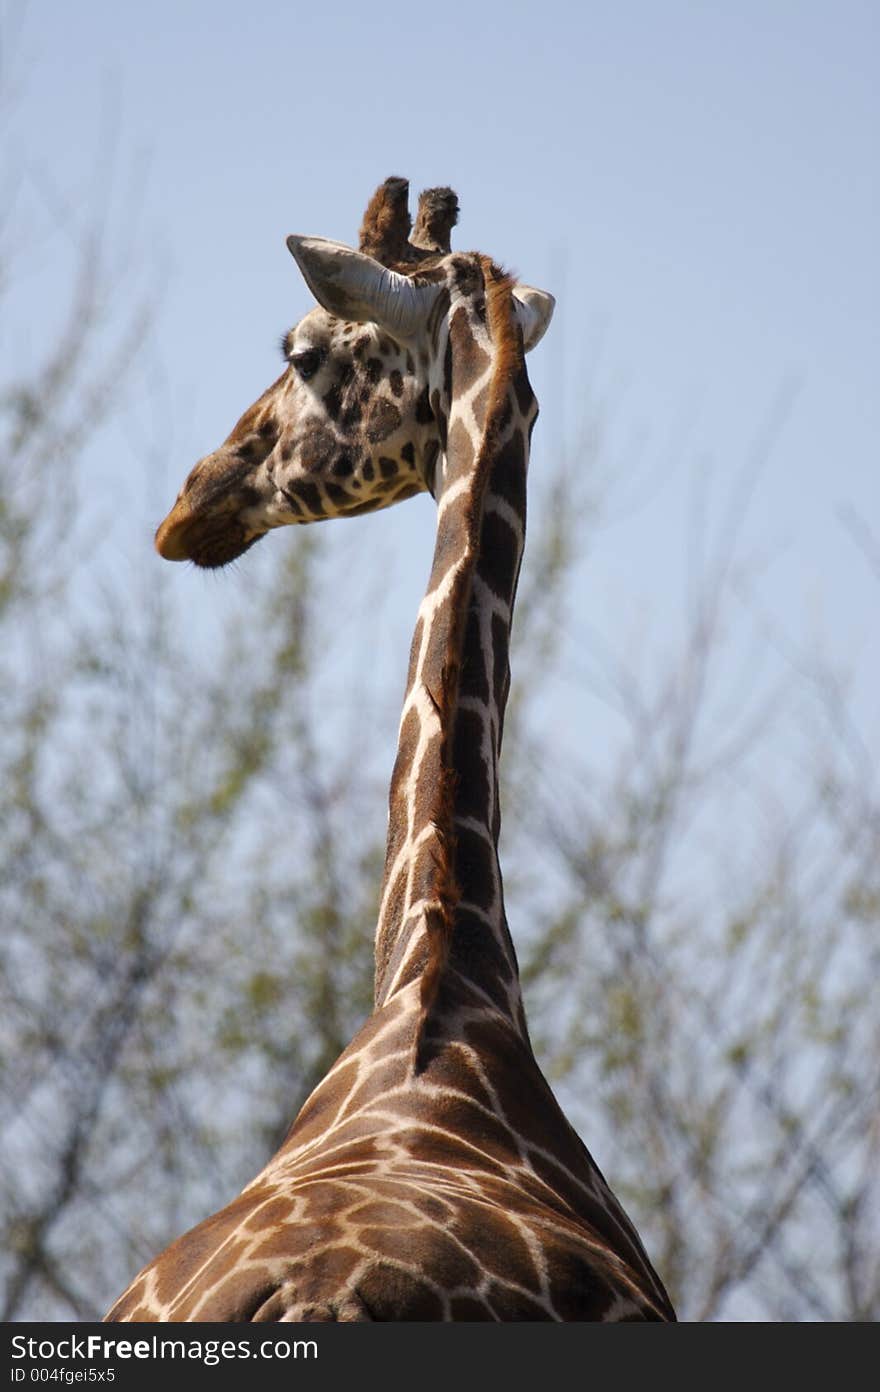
x=171, y=538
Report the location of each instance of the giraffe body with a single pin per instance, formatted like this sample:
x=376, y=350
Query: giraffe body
x=458, y=1193
x=431, y=1175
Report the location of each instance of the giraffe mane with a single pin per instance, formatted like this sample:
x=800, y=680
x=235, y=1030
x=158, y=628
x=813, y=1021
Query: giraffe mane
x=440, y=914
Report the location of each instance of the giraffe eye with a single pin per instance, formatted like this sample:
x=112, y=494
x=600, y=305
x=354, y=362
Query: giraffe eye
x=307, y=362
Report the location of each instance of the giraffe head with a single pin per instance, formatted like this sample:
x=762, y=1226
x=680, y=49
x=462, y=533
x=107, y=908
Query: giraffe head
x=355, y=421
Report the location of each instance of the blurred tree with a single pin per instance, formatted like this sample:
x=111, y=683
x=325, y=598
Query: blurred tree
x=148, y=935
x=702, y=976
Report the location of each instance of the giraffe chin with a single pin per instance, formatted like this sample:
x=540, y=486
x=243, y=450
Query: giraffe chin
x=209, y=548
x=209, y=542
x=213, y=553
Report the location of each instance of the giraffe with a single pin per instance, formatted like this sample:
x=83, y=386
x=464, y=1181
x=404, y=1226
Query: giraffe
x=431, y=1175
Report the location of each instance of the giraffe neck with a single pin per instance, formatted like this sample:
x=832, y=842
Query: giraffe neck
x=442, y=907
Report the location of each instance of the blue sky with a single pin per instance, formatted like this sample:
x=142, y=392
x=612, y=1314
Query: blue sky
x=695, y=181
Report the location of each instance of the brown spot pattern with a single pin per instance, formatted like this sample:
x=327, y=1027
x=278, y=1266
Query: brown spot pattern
x=455, y=1189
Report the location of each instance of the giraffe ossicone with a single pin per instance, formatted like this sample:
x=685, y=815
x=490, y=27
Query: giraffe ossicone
x=431, y=1175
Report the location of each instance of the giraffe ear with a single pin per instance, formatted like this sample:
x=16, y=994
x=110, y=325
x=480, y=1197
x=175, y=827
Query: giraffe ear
x=350, y=285
x=534, y=310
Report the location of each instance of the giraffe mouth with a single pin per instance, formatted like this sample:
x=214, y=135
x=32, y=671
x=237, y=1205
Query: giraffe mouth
x=213, y=552
x=209, y=543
